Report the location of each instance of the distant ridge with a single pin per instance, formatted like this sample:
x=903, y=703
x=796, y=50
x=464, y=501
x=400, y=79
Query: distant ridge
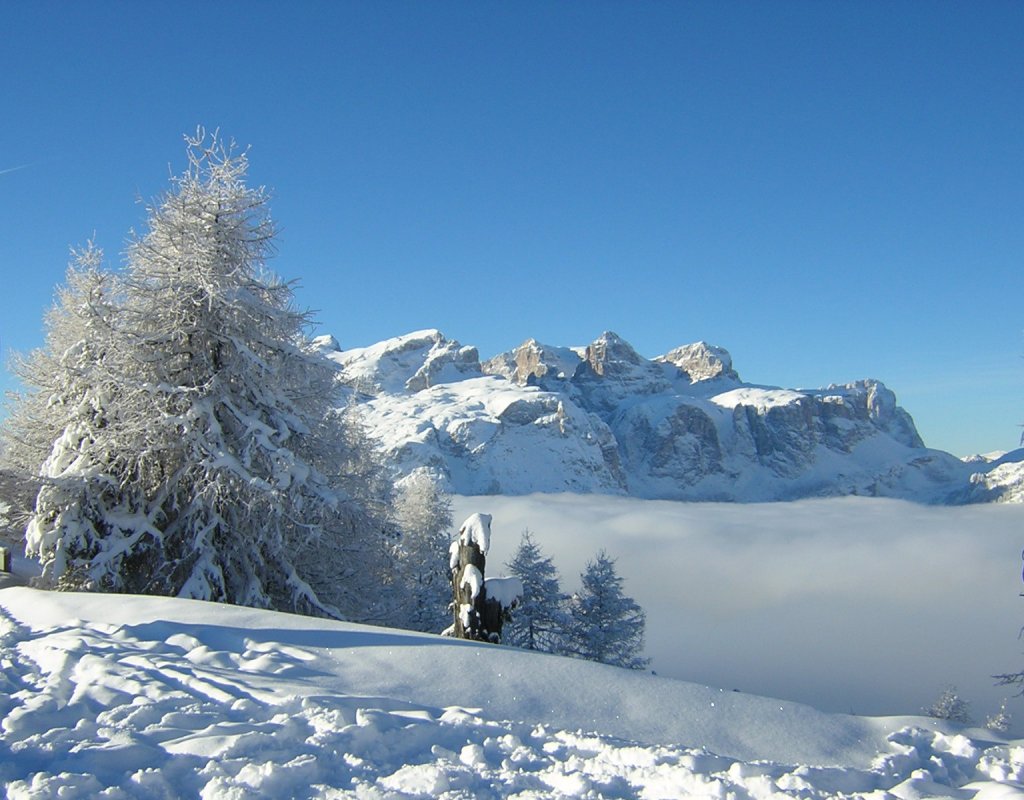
x=682, y=426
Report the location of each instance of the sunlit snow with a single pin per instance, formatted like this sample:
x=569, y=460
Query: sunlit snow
x=151, y=698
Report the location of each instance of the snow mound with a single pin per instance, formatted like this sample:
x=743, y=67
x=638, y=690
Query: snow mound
x=476, y=530
x=131, y=697
x=508, y=591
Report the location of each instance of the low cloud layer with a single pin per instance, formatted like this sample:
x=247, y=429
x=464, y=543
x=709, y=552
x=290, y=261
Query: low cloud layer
x=849, y=604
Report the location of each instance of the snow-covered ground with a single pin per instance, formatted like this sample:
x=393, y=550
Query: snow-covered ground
x=123, y=697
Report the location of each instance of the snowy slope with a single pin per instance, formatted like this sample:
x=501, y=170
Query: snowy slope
x=126, y=697
x=604, y=419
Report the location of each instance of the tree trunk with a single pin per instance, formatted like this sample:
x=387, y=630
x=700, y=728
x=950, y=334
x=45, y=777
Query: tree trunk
x=469, y=610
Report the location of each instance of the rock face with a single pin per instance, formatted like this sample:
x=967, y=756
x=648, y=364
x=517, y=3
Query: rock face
x=533, y=362
x=701, y=361
x=603, y=418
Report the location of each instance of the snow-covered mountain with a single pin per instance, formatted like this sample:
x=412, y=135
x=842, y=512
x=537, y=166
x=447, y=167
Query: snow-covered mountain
x=602, y=418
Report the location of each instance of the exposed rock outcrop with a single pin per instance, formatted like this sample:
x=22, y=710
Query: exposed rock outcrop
x=701, y=361
x=534, y=363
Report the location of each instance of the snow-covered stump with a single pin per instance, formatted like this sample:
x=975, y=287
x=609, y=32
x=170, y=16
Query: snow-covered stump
x=467, y=588
x=501, y=595
x=479, y=613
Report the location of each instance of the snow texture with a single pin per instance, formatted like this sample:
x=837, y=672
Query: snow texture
x=141, y=697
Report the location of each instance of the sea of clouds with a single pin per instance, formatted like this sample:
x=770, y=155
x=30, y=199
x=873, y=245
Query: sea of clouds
x=849, y=604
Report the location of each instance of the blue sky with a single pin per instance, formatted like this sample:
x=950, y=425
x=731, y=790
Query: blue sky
x=830, y=190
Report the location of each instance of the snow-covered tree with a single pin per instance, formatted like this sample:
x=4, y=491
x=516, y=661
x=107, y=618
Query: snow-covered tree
x=539, y=621
x=604, y=624
x=423, y=515
x=60, y=431
x=181, y=424
x=1000, y=720
x=67, y=374
x=949, y=705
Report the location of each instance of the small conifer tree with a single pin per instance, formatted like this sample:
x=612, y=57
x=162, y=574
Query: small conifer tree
x=539, y=621
x=604, y=624
x=1000, y=720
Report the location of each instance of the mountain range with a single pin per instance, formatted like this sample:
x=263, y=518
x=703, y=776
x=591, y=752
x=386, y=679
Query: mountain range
x=681, y=426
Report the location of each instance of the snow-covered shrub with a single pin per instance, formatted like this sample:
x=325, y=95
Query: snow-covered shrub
x=949, y=705
x=182, y=425
x=604, y=624
x=1000, y=720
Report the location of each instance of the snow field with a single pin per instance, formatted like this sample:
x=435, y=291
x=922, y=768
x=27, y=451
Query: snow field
x=169, y=698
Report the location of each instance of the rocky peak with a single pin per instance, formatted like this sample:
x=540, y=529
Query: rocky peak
x=701, y=361
x=325, y=344
x=610, y=355
x=880, y=406
x=445, y=362
x=533, y=362
x=611, y=371
x=407, y=363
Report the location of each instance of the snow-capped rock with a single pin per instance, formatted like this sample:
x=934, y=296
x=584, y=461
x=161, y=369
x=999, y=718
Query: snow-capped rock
x=1000, y=477
x=603, y=418
x=701, y=361
x=412, y=362
x=326, y=344
x=533, y=362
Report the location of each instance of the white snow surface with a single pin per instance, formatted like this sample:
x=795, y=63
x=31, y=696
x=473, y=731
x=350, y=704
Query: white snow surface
x=760, y=398
x=138, y=697
x=472, y=578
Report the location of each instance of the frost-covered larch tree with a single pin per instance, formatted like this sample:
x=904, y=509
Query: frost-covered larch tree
x=423, y=516
x=186, y=439
x=67, y=374
x=539, y=620
x=604, y=624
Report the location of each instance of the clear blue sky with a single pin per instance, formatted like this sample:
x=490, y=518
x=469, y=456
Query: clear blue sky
x=831, y=190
